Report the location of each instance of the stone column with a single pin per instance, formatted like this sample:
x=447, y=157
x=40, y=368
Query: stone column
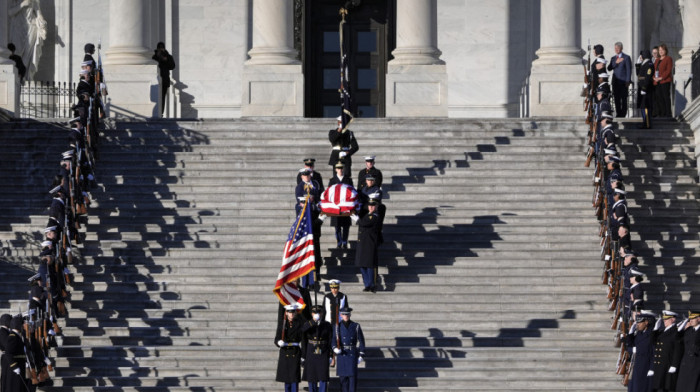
x=9, y=79
x=558, y=73
x=690, y=12
x=416, y=80
x=131, y=74
x=273, y=82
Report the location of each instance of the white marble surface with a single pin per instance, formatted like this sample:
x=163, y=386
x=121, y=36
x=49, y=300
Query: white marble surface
x=133, y=91
x=272, y=91
x=416, y=91
x=9, y=88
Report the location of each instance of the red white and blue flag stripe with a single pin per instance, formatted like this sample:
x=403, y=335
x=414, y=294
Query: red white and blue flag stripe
x=298, y=259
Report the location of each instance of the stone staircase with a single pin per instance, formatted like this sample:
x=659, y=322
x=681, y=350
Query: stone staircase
x=490, y=278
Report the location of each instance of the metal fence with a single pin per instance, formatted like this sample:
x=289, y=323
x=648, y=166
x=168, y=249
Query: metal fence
x=39, y=99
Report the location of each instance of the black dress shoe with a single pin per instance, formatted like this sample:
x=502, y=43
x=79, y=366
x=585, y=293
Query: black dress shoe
x=366, y=289
x=345, y=246
x=374, y=289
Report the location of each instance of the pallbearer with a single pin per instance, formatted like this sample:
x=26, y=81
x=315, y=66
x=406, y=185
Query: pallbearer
x=349, y=348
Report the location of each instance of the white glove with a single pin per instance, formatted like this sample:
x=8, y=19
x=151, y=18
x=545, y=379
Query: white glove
x=683, y=324
x=281, y=343
x=359, y=360
x=302, y=360
x=672, y=369
x=650, y=373
x=633, y=328
x=103, y=86
x=68, y=249
x=342, y=154
x=634, y=350
x=643, y=92
x=16, y=371
x=354, y=218
x=336, y=350
x=47, y=361
x=659, y=324
x=322, y=217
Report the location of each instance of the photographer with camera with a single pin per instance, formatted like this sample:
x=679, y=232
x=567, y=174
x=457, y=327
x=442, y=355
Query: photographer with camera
x=166, y=63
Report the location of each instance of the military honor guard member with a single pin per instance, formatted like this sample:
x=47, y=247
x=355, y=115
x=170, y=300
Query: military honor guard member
x=349, y=347
x=15, y=373
x=288, y=339
x=367, y=254
x=640, y=342
x=4, y=360
x=369, y=170
x=334, y=301
x=316, y=350
x=689, y=371
x=341, y=223
x=307, y=188
x=667, y=353
x=309, y=164
x=343, y=146
x=636, y=290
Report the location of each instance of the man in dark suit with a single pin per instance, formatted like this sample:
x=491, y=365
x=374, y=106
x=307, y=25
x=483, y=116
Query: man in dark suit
x=621, y=65
x=667, y=353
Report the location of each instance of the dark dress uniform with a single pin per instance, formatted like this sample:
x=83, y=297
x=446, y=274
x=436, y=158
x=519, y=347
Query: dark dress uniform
x=689, y=371
x=314, y=191
x=341, y=223
x=84, y=91
x=316, y=349
x=289, y=363
x=367, y=255
x=332, y=305
x=315, y=176
x=342, y=142
x=642, y=341
x=645, y=90
x=637, y=293
x=667, y=354
x=619, y=213
x=352, y=347
x=4, y=360
x=374, y=172
x=17, y=359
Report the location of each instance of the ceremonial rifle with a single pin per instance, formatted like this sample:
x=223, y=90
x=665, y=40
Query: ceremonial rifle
x=29, y=354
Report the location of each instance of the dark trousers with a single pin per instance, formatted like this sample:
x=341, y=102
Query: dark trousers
x=342, y=232
x=620, y=92
x=347, y=384
x=367, y=276
x=320, y=386
x=164, y=95
x=291, y=387
x=662, y=102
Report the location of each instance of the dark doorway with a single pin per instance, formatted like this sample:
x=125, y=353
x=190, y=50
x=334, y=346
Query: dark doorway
x=371, y=41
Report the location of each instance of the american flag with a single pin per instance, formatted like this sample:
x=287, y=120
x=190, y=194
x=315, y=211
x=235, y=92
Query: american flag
x=345, y=99
x=339, y=199
x=298, y=259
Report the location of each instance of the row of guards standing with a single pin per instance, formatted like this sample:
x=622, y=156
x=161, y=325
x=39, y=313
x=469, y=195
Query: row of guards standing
x=655, y=355
x=27, y=338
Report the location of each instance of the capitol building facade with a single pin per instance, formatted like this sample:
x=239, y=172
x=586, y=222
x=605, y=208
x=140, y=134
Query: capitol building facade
x=409, y=58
